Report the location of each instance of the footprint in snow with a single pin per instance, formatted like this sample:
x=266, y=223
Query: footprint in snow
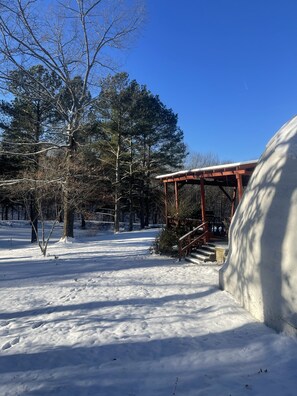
x=3, y=324
x=36, y=325
x=144, y=325
x=9, y=344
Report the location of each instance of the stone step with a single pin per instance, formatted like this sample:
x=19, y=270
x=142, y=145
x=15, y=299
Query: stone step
x=198, y=259
x=209, y=248
x=200, y=253
x=193, y=260
x=203, y=254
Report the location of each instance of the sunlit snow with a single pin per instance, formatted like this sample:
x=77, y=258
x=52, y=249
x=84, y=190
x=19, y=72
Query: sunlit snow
x=103, y=316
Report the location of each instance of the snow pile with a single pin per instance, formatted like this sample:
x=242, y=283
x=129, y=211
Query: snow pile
x=104, y=317
x=261, y=270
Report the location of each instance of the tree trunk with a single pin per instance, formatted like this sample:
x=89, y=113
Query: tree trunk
x=117, y=187
x=83, y=221
x=130, y=226
x=147, y=212
x=147, y=188
x=33, y=218
x=116, y=214
x=131, y=212
x=34, y=225
x=141, y=213
x=68, y=230
x=33, y=204
x=147, y=202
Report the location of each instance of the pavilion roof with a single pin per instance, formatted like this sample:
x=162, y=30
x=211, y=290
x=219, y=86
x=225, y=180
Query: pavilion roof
x=224, y=174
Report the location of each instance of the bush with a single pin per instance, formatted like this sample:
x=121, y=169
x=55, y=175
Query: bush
x=167, y=241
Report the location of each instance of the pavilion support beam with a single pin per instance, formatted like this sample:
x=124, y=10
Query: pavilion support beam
x=225, y=192
x=166, y=203
x=202, y=200
x=176, y=186
x=239, y=186
x=176, y=197
x=203, y=205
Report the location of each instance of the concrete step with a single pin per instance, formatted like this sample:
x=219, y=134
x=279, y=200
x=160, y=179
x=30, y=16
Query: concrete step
x=202, y=254
x=211, y=244
x=209, y=248
x=199, y=259
x=193, y=260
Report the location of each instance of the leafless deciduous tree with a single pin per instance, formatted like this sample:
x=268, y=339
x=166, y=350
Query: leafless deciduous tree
x=201, y=160
x=72, y=39
x=217, y=202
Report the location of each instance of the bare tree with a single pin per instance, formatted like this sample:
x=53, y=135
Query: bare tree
x=47, y=188
x=218, y=202
x=201, y=160
x=71, y=39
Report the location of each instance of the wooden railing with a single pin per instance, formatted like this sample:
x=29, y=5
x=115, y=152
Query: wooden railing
x=191, y=239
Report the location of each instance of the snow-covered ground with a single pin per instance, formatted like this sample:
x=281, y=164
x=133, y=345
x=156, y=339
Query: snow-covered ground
x=102, y=316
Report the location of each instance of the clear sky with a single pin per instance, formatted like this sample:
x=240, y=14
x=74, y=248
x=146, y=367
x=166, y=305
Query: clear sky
x=227, y=67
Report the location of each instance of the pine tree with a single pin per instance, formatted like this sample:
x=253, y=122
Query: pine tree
x=140, y=138
x=26, y=121
x=71, y=39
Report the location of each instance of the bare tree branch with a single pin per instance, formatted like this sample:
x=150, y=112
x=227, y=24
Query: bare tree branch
x=71, y=39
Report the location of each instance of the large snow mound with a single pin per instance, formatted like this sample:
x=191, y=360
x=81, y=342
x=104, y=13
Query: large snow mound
x=261, y=270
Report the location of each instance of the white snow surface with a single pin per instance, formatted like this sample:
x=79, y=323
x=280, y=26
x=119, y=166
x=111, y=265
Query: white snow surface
x=103, y=316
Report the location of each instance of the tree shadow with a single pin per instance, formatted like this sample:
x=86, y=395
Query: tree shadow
x=159, y=301
x=279, y=306
x=259, y=271
x=202, y=365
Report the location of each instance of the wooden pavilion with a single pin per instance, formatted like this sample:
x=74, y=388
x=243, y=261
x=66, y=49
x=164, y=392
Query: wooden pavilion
x=235, y=175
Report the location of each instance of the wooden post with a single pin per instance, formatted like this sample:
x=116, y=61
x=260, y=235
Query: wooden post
x=239, y=186
x=202, y=198
x=176, y=197
x=166, y=204
x=203, y=206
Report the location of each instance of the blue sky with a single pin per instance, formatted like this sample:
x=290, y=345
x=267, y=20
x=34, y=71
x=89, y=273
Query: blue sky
x=227, y=67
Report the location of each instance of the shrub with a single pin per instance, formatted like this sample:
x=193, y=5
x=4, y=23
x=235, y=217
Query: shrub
x=167, y=241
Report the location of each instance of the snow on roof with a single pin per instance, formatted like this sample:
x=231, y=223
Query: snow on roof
x=208, y=168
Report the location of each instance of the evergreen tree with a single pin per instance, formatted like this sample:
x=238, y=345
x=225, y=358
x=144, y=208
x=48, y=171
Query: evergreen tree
x=25, y=122
x=71, y=39
x=160, y=146
x=140, y=138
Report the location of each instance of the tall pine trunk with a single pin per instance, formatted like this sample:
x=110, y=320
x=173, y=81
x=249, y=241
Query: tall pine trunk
x=130, y=194
x=68, y=230
x=148, y=188
x=68, y=202
x=142, y=206
x=117, y=191
x=33, y=204
x=33, y=218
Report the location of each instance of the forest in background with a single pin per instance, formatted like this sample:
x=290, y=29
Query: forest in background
x=77, y=137
x=125, y=139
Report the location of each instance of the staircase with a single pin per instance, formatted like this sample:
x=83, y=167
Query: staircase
x=203, y=254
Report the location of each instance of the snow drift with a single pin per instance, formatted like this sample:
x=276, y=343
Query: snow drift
x=261, y=271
